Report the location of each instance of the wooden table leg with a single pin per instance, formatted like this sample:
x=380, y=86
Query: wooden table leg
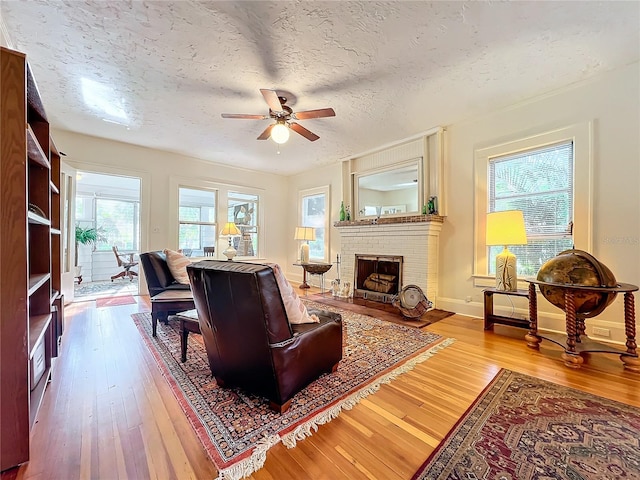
x=304, y=279
x=630, y=362
x=488, y=310
x=570, y=357
x=184, y=336
x=532, y=338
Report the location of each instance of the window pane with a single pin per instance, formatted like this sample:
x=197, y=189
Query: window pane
x=193, y=238
x=243, y=211
x=117, y=221
x=197, y=216
x=313, y=215
x=540, y=183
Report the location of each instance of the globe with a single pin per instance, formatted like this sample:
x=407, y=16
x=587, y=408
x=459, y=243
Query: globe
x=576, y=267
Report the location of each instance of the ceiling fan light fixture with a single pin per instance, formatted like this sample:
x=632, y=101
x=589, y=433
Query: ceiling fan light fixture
x=280, y=133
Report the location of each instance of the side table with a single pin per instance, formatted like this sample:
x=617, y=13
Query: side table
x=490, y=318
x=314, y=269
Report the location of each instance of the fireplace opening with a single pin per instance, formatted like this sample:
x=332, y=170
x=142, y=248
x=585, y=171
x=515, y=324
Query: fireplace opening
x=377, y=277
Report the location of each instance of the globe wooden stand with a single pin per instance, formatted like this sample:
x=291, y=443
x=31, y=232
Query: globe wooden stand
x=576, y=341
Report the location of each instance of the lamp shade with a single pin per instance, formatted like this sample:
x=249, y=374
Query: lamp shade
x=230, y=229
x=506, y=228
x=280, y=133
x=305, y=233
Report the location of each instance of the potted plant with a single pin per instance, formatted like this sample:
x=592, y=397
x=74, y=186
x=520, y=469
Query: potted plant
x=86, y=236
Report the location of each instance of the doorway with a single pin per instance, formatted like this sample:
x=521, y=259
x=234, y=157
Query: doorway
x=107, y=215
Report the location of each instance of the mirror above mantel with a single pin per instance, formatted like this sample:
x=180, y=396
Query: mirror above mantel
x=390, y=191
x=397, y=180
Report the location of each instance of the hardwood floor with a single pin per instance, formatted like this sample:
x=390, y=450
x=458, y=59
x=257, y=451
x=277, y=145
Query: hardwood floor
x=109, y=413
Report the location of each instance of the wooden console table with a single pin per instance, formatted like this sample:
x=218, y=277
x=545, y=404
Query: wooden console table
x=490, y=318
x=576, y=341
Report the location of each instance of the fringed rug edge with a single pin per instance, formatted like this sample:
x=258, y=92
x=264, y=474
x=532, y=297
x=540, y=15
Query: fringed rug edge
x=255, y=461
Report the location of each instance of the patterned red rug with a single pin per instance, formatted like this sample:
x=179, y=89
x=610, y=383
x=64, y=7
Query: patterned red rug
x=237, y=429
x=525, y=428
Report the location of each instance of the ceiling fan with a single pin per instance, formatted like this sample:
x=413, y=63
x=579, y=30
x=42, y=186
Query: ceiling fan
x=284, y=118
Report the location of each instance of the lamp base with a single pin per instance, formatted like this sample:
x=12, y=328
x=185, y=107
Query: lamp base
x=230, y=252
x=304, y=253
x=506, y=271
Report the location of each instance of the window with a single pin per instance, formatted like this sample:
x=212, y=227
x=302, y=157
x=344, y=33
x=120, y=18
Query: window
x=313, y=213
x=197, y=220
x=243, y=211
x=540, y=183
x=547, y=176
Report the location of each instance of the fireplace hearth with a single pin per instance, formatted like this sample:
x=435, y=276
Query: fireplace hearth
x=377, y=277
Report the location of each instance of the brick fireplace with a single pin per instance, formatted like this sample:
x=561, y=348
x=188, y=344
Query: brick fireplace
x=414, y=239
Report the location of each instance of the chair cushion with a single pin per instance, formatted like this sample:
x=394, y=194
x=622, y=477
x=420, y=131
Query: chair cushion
x=177, y=263
x=296, y=310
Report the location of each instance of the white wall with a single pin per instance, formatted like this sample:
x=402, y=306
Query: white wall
x=612, y=102
x=158, y=170
x=329, y=175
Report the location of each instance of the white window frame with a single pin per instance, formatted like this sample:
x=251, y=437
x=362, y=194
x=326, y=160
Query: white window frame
x=310, y=192
x=199, y=223
x=258, y=217
x=223, y=190
x=582, y=136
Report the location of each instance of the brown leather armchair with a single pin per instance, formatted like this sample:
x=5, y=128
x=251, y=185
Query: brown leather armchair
x=249, y=341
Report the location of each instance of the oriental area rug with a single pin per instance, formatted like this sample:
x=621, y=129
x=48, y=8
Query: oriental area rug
x=237, y=429
x=526, y=428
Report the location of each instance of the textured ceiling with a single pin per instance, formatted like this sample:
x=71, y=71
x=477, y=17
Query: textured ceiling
x=165, y=71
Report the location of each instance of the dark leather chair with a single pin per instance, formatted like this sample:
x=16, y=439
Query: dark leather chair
x=168, y=297
x=249, y=341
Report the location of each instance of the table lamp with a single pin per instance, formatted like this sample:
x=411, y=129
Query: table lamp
x=230, y=230
x=305, y=234
x=506, y=228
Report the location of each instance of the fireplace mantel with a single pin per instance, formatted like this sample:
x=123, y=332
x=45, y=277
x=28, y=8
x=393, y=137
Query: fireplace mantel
x=390, y=220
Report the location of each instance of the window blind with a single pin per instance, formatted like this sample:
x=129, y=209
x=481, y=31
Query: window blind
x=540, y=183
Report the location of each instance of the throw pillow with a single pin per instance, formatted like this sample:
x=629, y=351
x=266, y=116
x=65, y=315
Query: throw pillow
x=296, y=310
x=177, y=264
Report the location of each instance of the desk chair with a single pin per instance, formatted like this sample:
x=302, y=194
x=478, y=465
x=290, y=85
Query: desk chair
x=126, y=262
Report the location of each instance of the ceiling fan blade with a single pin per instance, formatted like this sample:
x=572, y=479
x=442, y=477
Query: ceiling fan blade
x=296, y=127
x=319, y=113
x=243, y=115
x=271, y=97
x=267, y=133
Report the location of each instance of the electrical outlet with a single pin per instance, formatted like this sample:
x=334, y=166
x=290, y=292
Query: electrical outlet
x=468, y=299
x=601, y=332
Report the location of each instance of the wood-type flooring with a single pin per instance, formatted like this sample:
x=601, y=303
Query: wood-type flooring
x=109, y=413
